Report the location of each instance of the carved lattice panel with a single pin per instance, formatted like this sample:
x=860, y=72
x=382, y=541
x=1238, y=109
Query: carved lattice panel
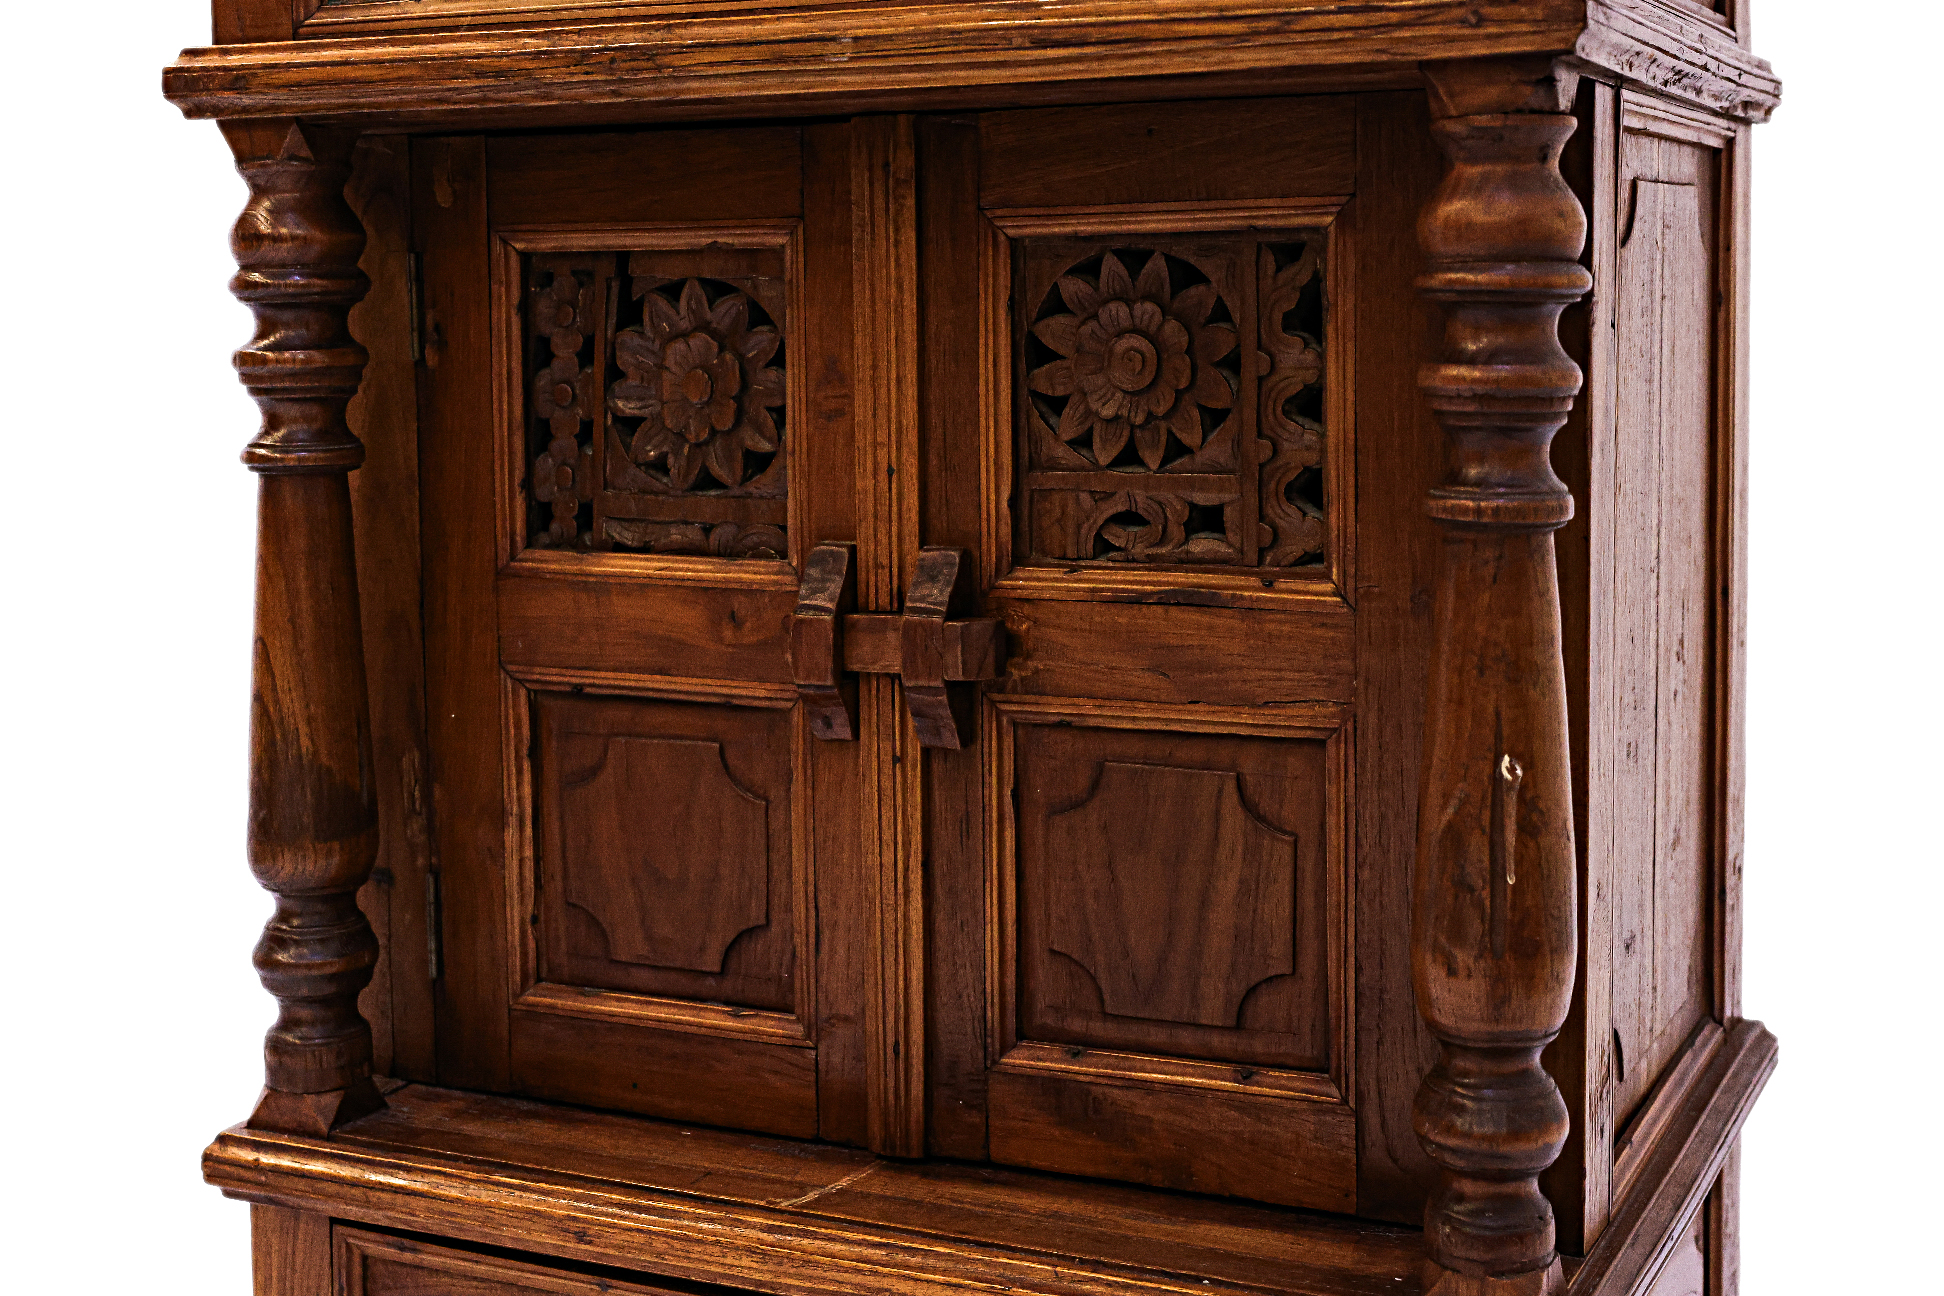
x=1172, y=893
x=657, y=401
x=663, y=845
x=1170, y=399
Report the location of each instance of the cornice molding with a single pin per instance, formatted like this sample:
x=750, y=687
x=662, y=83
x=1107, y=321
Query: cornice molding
x=1677, y=49
x=838, y=59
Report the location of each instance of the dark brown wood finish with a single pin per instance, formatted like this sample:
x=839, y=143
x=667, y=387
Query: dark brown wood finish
x=915, y=634
x=313, y=819
x=1143, y=970
x=1495, y=910
x=290, y=1251
x=1679, y=1162
x=589, y=1188
x=385, y=517
x=940, y=56
x=628, y=391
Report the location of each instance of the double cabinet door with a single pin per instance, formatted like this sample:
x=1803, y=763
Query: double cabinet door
x=890, y=661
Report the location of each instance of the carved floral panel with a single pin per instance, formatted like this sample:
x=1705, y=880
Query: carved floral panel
x=1170, y=400
x=657, y=401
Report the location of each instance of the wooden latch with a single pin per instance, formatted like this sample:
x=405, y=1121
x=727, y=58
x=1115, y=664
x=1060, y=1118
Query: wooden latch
x=927, y=646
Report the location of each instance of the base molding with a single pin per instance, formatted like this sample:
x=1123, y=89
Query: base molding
x=562, y=1185
x=1675, y=1172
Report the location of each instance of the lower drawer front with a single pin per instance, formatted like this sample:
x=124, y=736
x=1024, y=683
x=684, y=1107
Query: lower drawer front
x=375, y=1264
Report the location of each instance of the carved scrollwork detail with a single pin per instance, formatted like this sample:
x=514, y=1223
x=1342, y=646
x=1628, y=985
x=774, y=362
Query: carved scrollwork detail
x=1171, y=400
x=723, y=540
x=560, y=317
x=657, y=401
x=1126, y=526
x=1292, y=433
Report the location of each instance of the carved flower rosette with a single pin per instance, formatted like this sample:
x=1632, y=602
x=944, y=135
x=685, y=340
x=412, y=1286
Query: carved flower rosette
x=1137, y=362
x=1172, y=400
x=698, y=376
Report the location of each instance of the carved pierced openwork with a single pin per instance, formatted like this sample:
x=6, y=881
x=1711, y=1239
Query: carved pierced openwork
x=657, y=401
x=1170, y=400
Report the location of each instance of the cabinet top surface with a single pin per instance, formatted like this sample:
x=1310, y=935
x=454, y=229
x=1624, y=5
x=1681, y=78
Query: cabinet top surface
x=439, y=64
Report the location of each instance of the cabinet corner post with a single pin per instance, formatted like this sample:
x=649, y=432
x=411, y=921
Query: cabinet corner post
x=313, y=830
x=1494, y=892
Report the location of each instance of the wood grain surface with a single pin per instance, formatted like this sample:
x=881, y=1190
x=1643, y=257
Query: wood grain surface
x=788, y=1218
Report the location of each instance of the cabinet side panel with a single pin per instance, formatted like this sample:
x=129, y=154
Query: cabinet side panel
x=1398, y=457
x=1664, y=948
x=1578, y=1183
x=464, y=684
x=384, y=510
x=1732, y=513
x=1686, y=1270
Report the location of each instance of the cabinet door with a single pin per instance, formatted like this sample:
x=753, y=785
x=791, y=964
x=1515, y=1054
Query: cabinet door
x=635, y=414
x=1136, y=413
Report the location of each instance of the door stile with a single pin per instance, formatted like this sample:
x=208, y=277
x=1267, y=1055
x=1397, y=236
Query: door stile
x=464, y=739
x=885, y=261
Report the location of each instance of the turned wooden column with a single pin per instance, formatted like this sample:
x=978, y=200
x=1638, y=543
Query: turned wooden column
x=313, y=820
x=1493, y=928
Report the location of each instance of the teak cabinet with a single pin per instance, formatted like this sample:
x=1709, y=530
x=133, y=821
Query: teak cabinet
x=1062, y=649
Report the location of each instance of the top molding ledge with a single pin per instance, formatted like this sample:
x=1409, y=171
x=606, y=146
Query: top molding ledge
x=883, y=56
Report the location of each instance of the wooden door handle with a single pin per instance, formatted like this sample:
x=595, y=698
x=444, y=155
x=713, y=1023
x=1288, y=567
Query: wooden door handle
x=935, y=650
x=929, y=649
x=826, y=599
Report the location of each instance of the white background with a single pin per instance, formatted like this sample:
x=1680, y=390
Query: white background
x=132, y=1018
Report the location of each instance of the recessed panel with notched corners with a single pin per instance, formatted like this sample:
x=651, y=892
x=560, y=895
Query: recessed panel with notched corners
x=1168, y=922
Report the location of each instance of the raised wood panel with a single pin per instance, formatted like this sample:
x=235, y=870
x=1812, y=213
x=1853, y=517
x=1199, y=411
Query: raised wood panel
x=1167, y=940
x=1148, y=835
x=1205, y=152
x=1664, y=568
x=664, y=845
x=1173, y=893
x=705, y=866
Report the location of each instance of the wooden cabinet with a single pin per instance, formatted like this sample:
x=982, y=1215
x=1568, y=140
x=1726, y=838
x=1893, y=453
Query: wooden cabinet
x=982, y=643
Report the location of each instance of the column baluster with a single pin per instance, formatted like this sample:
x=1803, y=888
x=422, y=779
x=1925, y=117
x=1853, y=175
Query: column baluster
x=313, y=832
x=1493, y=914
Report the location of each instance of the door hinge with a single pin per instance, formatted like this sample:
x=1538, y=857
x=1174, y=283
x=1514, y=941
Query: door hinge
x=432, y=926
x=415, y=304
